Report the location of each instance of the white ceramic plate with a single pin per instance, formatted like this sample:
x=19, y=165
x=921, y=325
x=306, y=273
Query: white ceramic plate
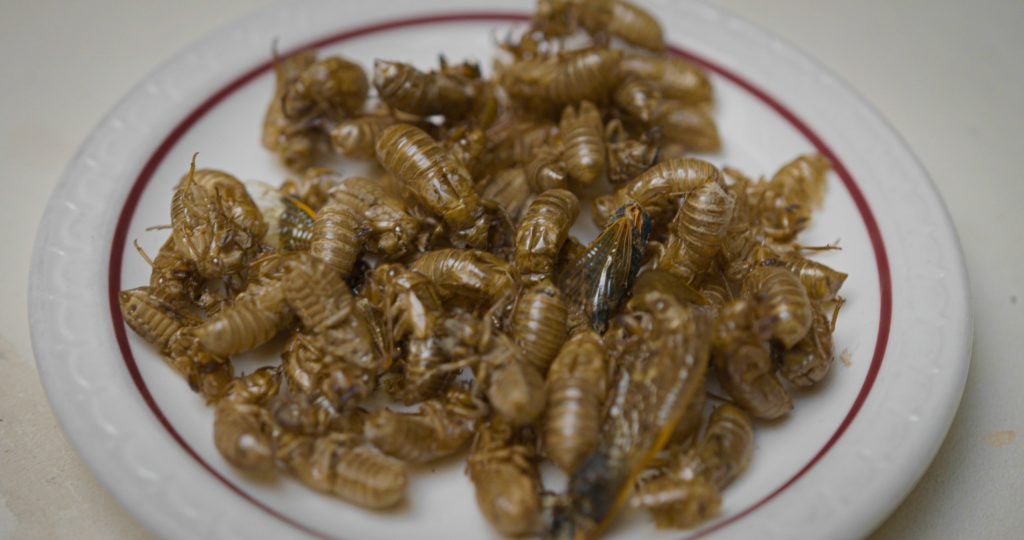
x=834, y=469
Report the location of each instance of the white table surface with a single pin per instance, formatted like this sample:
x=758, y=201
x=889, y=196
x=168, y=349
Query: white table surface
x=949, y=76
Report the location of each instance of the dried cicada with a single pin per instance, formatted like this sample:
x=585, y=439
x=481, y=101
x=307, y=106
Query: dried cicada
x=539, y=323
x=687, y=491
x=150, y=317
x=448, y=91
x=215, y=224
x=809, y=360
x=697, y=232
x=627, y=158
x=332, y=86
x=335, y=464
x=576, y=386
x=743, y=362
x=548, y=84
x=436, y=180
x=676, y=78
x=658, y=189
x=504, y=472
x=472, y=275
x=583, y=137
x=543, y=230
x=243, y=429
x=441, y=427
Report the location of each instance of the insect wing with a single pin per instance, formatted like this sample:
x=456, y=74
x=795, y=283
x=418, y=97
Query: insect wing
x=604, y=273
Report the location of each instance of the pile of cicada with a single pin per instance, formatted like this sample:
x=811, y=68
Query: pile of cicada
x=447, y=281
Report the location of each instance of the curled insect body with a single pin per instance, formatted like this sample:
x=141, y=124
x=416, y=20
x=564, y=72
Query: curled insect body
x=296, y=142
x=174, y=278
x=441, y=427
x=243, y=430
x=726, y=448
x=302, y=364
x=637, y=97
x=539, y=324
x=207, y=374
x=810, y=359
x=409, y=301
x=676, y=78
x=408, y=89
x=600, y=278
x=543, y=230
x=627, y=158
x=664, y=363
x=243, y=434
x=289, y=219
x=546, y=170
x=687, y=493
x=692, y=126
x=582, y=134
x=335, y=464
x=576, y=388
x=548, y=84
x=784, y=307
x=697, y=231
x=821, y=282
x=503, y=470
x=215, y=224
x=334, y=238
x=678, y=504
x=793, y=192
x=515, y=388
x=356, y=137
x=332, y=86
x=802, y=179
x=326, y=308
x=388, y=226
x=254, y=318
x=622, y=19
x=436, y=180
x=337, y=330
x=743, y=362
x=152, y=318
x=508, y=189
x=658, y=189
x=475, y=276
x=411, y=312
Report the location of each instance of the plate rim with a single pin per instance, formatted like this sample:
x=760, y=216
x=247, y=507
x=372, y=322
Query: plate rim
x=38, y=308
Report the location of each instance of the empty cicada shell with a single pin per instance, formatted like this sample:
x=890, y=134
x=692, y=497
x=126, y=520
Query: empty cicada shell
x=539, y=324
x=543, y=230
x=503, y=470
x=658, y=189
x=576, y=387
x=441, y=427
